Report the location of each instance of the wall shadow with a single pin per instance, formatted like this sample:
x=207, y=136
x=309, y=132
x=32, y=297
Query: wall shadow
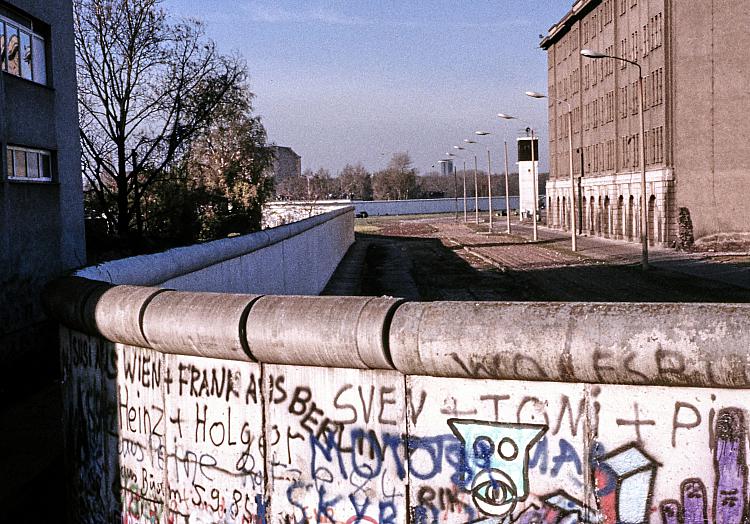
x=423, y=268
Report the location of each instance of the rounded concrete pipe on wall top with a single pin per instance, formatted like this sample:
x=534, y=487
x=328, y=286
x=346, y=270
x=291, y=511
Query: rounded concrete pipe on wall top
x=618, y=343
x=321, y=331
x=200, y=324
x=68, y=300
x=118, y=313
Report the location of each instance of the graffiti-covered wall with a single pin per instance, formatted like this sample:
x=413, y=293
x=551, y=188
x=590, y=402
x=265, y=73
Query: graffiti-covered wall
x=159, y=436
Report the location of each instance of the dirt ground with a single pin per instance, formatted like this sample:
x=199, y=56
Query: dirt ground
x=438, y=258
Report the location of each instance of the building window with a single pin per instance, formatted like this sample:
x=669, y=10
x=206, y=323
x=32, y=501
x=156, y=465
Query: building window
x=586, y=76
x=660, y=144
x=593, y=25
x=659, y=90
x=658, y=30
x=29, y=164
x=22, y=52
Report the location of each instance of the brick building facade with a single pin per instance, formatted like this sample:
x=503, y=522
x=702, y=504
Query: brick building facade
x=286, y=163
x=695, y=99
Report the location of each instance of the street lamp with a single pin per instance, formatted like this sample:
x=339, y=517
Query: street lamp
x=489, y=180
x=464, y=159
x=505, y=116
x=589, y=53
x=507, y=193
x=476, y=183
x=534, y=94
x=455, y=186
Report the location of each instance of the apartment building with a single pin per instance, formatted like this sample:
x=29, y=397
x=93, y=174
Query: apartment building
x=41, y=202
x=696, y=104
x=286, y=163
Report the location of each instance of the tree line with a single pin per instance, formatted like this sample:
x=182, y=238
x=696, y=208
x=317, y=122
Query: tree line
x=172, y=151
x=398, y=181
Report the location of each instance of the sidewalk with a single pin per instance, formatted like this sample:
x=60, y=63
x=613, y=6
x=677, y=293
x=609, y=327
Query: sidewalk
x=701, y=265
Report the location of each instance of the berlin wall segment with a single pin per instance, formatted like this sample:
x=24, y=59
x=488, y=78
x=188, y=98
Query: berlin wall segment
x=168, y=438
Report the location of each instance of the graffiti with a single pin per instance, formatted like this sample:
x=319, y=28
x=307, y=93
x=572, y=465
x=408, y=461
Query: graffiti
x=625, y=481
x=558, y=508
x=170, y=438
x=731, y=468
x=666, y=366
x=497, y=459
x=636, y=422
x=730, y=479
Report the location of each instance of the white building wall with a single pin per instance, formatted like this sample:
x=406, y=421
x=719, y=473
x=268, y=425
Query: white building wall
x=526, y=172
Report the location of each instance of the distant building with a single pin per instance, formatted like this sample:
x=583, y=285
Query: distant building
x=41, y=197
x=446, y=167
x=286, y=163
x=696, y=78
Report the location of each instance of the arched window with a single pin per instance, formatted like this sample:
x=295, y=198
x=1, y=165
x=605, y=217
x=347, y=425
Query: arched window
x=651, y=221
x=606, y=219
x=630, y=219
x=619, y=221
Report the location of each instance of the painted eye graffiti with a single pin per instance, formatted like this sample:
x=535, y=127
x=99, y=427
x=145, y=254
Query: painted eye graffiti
x=496, y=453
x=494, y=493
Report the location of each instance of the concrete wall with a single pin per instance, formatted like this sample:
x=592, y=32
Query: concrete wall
x=296, y=258
x=187, y=407
x=276, y=213
x=428, y=206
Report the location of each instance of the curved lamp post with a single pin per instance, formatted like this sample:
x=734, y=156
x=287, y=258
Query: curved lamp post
x=507, y=191
x=489, y=180
x=464, y=177
x=505, y=116
x=476, y=183
x=589, y=53
x=455, y=186
x=534, y=94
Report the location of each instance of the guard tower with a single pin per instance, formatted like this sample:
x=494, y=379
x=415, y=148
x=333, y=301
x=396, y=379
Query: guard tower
x=526, y=172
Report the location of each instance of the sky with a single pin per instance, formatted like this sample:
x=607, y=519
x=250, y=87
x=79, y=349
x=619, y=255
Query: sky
x=356, y=81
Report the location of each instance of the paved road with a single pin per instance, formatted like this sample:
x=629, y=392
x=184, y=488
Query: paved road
x=439, y=259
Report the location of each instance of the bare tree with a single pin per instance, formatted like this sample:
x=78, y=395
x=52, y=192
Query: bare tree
x=147, y=88
x=397, y=181
x=355, y=182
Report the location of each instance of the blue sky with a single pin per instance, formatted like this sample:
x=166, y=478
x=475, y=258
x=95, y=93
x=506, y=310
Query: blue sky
x=344, y=82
